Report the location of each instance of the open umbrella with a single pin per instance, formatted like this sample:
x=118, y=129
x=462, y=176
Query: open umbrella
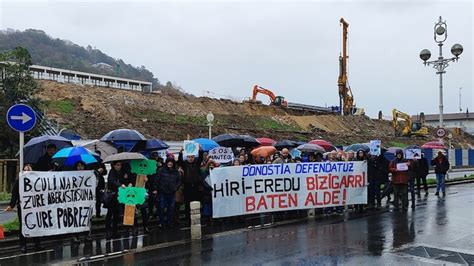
x=310, y=148
x=358, y=146
x=150, y=145
x=433, y=145
x=123, y=135
x=285, y=144
x=229, y=140
x=124, y=156
x=36, y=147
x=96, y=145
x=266, y=141
x=263, y=151
x=325, y=144
x=206, y=144
x=72, y=155
x=250, y=142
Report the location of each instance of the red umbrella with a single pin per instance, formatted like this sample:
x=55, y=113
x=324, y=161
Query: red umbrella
x=266, y=141
x=433, y=145
x=327, y=146
x=263, y=151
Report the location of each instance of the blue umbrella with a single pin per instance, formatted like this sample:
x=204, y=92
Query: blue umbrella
x=150, y=145
x=36, y=147
x=123, y=135
x=71, y=156
x=206, y=144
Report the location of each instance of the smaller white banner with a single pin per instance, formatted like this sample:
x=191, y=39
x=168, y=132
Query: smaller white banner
x=221, y=155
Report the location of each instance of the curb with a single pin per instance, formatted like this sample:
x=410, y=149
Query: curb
x=10, y=243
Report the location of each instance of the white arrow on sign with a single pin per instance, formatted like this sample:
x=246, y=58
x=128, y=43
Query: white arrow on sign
x=24, y=117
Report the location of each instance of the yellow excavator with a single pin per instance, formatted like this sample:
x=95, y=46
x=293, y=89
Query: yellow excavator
x=346, y=98
x=409, y=127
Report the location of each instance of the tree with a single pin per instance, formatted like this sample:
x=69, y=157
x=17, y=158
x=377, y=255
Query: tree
x=16, y=85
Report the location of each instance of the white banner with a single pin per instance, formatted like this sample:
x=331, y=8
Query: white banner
x=221, y=154
x=248, y=189
x=54, y=203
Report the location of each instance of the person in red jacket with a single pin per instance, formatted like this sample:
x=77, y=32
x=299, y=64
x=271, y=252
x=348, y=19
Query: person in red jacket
x=399, y=169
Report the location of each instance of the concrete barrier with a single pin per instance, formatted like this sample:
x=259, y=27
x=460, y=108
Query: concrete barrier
x=195, y=220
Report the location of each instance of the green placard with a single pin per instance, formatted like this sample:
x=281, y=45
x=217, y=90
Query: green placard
x=143, y=167
x=131, y=195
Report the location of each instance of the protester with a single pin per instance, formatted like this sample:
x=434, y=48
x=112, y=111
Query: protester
x=441, y=165
x=399, y=169
x=15, y=201
x=169, y=181
x=113, y=209
x=45, y=163
x=360, y=156
x=285, y=156
x=99, y=174
x=192, y=180
x=237, y=162
x=423, y=170
x=129, y=179
x=350, y=156
x=412, y=174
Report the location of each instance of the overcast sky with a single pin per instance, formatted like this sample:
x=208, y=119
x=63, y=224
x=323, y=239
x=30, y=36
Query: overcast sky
x=289, y=47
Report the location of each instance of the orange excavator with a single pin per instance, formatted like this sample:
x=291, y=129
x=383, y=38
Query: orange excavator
x=275, y=100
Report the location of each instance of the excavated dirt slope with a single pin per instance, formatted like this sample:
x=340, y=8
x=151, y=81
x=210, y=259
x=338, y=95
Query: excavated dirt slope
x=93, y=111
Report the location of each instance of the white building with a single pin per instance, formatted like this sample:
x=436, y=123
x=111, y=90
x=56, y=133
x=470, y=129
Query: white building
x=464, y=121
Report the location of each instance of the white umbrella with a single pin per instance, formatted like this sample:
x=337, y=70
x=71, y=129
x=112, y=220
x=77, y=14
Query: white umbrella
x=105, y=149
x=124, y=156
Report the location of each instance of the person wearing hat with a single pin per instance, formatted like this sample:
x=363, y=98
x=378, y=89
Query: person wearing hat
x=399, y=169
x=441, y=165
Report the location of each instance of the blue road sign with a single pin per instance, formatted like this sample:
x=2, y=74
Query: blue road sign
x=21, y=117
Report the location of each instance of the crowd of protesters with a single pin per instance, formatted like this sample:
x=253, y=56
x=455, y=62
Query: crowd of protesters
x=179, y=181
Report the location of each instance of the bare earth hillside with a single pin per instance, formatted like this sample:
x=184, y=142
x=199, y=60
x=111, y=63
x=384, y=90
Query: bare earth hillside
x=93, y=111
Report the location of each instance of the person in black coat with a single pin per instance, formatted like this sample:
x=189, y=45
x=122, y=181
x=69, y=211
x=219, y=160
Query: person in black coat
x=99, y=173
x=192, y=180
x=45, y=163
x=15, y=202
x=169, y=181
x=377, y=174
x=423, y=170
x=116, y=174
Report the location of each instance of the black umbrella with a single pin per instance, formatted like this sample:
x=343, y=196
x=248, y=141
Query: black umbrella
x=150, y=145
x=36, y=147
x=229, y=140
x=288, y=144
x=123, y=135
x=250, y=142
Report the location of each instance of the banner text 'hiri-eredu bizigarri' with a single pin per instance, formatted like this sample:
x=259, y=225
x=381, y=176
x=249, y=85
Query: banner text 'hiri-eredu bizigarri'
x=277, y=187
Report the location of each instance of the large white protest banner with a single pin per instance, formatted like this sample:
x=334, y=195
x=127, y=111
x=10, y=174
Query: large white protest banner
x=251, y=189
x=54, y=203
x=221, y=154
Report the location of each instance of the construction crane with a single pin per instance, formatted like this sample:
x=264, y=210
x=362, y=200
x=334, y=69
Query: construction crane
x=409, y=127
x=275, y=100
x=346, y=98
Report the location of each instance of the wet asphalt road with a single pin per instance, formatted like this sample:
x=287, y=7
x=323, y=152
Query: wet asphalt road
x=440, y=230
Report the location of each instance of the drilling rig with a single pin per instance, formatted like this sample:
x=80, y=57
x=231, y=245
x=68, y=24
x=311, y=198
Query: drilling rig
x=346, y=98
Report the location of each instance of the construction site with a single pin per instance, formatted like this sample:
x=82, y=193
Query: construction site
x=91, y=110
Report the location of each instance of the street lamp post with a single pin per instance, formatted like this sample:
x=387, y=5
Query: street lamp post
x=210, y=119
x=440, y=35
